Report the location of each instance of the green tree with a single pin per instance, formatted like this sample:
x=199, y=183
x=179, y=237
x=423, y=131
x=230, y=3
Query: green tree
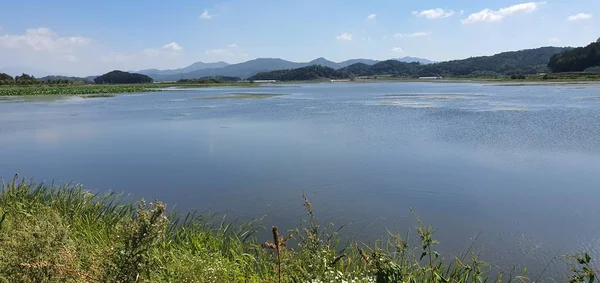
x=6, y=79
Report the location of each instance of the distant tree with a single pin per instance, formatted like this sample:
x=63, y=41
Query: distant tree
x=576, y=60
x=6, y=79
x=120, y=77
x=26, y=79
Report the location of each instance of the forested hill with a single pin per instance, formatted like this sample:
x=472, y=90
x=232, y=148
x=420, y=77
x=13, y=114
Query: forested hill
x=120, y=77
x=529, y=61
x=314, y=72
x=576, y=60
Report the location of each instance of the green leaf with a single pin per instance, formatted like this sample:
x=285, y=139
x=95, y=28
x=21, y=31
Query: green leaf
x=587, y=258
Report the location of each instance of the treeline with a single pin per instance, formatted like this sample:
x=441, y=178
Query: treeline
x=507, y=64
x=211, y=80
x=576, y=60
x=26, y=79
x=114, y=77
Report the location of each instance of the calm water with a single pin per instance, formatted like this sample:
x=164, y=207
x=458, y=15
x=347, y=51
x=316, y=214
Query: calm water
x=518, y=164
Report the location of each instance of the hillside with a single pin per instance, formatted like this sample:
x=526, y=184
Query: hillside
x=120, y=77
x=576, y=60
x=530, y=61
x=314, y=72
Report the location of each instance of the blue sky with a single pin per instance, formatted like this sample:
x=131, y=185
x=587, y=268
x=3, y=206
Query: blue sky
x=91, y=37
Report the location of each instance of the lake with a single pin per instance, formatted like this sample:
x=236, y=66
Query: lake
x=519, y=165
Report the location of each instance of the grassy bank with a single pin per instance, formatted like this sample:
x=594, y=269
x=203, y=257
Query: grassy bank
x=66, y=234
x=100, y=89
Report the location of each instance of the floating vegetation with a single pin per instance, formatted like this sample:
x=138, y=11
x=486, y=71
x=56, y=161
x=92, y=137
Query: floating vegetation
x=241, y=96
x=100, y=95
x=426, y=96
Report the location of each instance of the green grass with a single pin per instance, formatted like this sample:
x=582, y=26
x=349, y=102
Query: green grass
x=67, y=234
x=100, y=89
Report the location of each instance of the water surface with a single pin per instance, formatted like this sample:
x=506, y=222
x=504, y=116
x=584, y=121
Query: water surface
x=519, y=165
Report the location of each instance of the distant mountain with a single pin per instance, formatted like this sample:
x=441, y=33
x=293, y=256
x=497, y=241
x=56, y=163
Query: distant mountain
x=194, y=67
x=252, y=67
x=408, y=59
x=355, y=61
x=324, y=62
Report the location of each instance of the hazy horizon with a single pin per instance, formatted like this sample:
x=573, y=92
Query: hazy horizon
x=82, y=39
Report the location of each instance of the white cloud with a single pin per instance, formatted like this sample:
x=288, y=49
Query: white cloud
x=42, y=39
x=415, y=34
x=580, y=16
x=437, y=13
x=371, y=17
x=206, y=16
x=554, y=40
x=233, y=45
x=488, y=15
x=461, y=12
x=173, y=46
x=344, y=36
x=397, y=50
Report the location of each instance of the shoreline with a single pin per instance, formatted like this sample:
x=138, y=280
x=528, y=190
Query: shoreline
x=90, y=91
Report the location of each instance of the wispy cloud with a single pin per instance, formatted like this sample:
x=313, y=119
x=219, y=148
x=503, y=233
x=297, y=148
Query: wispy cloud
x=437, y=13
x=580, y=16
x=415, y=34
x=488, y=15
x=42, y=39
x=344, y=36
x=371, y=17
x=554, y=40
x=233, y=45
x=397, y=50
x=206, y=16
